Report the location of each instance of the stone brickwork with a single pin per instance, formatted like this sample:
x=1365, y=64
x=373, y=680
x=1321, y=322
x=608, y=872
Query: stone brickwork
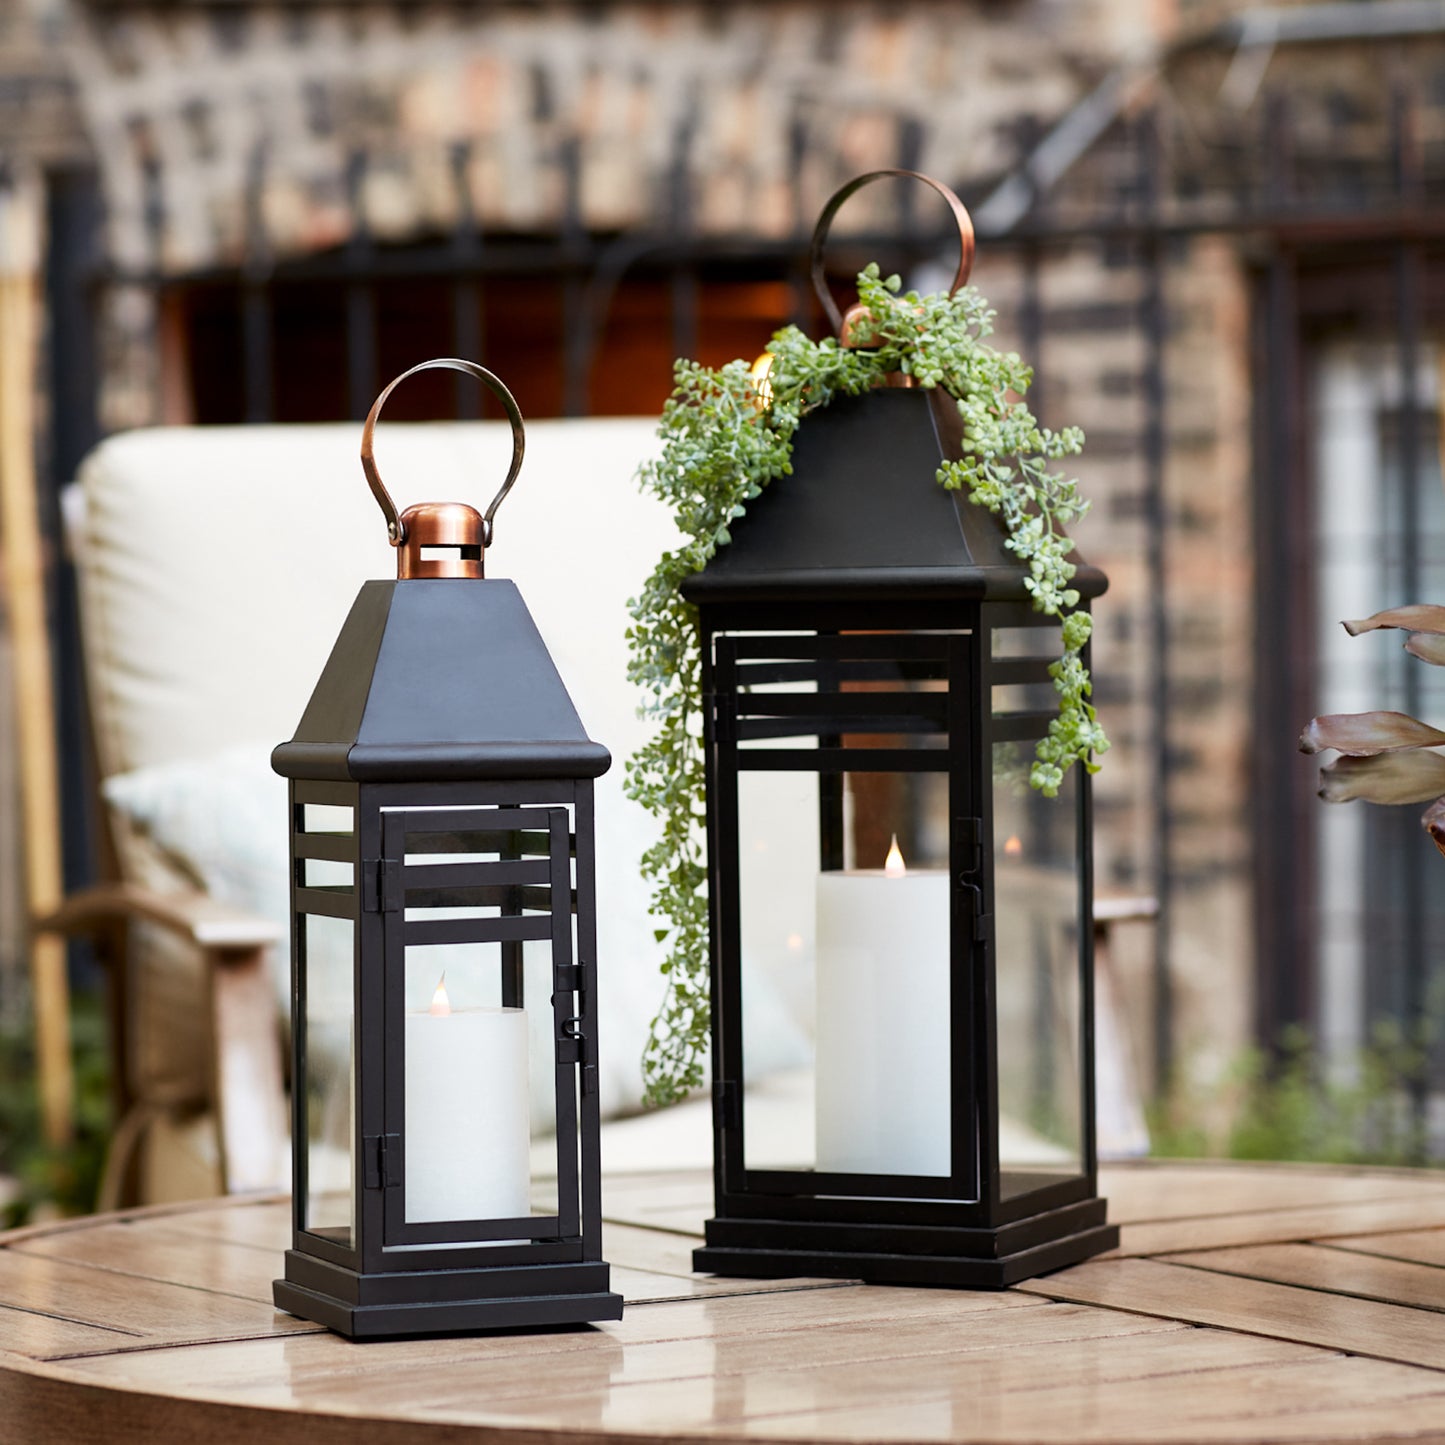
x=190, y=108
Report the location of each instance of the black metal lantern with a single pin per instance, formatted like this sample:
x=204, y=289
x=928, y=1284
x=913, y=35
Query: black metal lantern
x=875, y=680
x=444, y=973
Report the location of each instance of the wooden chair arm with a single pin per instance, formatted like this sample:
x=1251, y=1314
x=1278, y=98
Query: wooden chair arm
x=196, y=916
x=246, y=1084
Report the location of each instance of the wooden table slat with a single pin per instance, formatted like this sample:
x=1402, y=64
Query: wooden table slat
x=1283, y=1295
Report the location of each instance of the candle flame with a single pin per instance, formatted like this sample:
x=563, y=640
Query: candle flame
x=441, y=1005
x=893, y=865
x=759, y=374
x=1014, y=846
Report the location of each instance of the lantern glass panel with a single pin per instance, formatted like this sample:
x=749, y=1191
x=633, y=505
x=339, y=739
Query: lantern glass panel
x=845, y=968
x=327, y=951
x=1038, y=971
x=489, y=1142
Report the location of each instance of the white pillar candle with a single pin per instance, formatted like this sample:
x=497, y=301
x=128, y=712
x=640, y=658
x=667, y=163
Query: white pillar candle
x=468, y=1129
x=883, y=1085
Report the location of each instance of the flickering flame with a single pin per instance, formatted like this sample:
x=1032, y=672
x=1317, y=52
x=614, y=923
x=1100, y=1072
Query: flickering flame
x=441, y=1005
x=1014, y=846
x=795, y=942
x=759, y=373
x=893, y=865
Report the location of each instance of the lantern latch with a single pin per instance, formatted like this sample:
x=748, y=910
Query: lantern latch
x=381, y=885
x=572, y=1042
x=727, y=1105
x=381, y=1156
x=566, y=978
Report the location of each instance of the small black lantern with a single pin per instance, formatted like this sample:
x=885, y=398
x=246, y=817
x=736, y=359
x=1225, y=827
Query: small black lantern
x=444, y=934
x=875, y=680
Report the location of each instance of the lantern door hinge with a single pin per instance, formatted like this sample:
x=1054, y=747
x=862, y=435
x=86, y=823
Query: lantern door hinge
x=381, y=1157
x=381, y=886
x=980, y=923
x=969, y=835
x=727, y=1105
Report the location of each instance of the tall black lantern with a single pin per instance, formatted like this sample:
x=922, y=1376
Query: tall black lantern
x=444, y=974
x=875, y=682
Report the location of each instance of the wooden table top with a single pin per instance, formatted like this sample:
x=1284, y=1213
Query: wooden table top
x=1246, y=1303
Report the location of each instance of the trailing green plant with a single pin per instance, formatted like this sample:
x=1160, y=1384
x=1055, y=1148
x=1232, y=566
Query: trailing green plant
x=726, y=435
x=1292, y=1106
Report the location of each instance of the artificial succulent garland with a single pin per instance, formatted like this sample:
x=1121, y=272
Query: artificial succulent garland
x=726, y=434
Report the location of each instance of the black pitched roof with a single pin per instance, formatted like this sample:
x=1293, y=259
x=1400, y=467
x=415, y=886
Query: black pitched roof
x=444, y=679
x=863, y=516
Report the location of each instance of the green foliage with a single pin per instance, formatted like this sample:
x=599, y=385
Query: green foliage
x=62, y=1179
x=724, y=439
x=1290, y=1107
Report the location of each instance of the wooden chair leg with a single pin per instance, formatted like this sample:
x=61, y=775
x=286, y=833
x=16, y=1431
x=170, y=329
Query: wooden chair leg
x=249, y=1094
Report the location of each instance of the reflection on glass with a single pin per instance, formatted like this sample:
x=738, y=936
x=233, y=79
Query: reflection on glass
x=329, y=1077
x=1036, y=911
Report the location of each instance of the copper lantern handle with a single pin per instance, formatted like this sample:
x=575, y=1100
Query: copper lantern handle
x=395, y=528
x=820, y=234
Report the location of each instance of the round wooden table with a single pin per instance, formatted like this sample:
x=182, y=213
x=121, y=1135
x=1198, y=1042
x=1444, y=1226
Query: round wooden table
x=1247, y=1303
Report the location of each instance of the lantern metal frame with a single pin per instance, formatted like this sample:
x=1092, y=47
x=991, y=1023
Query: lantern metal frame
x=834, y=568
x=440, y=722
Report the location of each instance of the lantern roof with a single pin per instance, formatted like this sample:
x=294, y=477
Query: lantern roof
x=862, y=517
x=442, y=679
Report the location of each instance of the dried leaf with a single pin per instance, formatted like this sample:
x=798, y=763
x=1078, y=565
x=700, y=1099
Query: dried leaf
x=1427, y=646
x=1363, y=734
x=1420, y=617
x=1433, y=822
x=1412, y=777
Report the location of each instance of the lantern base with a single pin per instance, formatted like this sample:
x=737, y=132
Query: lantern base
x=893, y=1254
x=444, y=1302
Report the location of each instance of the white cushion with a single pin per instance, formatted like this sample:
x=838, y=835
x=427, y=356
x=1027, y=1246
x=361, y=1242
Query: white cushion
x=217, y=565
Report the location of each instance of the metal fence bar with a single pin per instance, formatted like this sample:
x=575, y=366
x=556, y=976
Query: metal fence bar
x=361, y=338
x=1154, y=320
x=577, y=343
x=1407, y=266
x=466, y=246
x=256, y=285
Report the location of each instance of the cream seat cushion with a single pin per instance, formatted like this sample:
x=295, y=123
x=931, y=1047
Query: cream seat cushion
x=217, y=566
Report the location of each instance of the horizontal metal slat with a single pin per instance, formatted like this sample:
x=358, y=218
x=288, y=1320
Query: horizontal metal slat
x=330, y=903
x=761, y=674
x=528, y=843
x=912, y=645
x=334, y=847
x=842, y=760
x=753, y=728
x=857, y=705
x=500, y=874
x=477, y=930
x=1017, y=727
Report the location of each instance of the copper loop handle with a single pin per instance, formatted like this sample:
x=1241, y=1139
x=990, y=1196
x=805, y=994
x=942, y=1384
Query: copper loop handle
x=395, y=531
x=820, y=235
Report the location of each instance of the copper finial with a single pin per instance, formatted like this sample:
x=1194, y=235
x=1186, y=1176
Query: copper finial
x=461, y=531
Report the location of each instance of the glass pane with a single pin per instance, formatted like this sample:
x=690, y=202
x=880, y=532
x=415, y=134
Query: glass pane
x=479, y=1060
x=1036, y=920
x=845, y=970
x=328, y=1045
